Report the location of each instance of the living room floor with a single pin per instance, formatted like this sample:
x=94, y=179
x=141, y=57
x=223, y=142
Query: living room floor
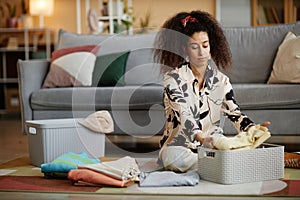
x=14, y=144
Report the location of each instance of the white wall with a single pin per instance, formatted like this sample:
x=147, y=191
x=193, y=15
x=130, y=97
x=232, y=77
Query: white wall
x=234, y=12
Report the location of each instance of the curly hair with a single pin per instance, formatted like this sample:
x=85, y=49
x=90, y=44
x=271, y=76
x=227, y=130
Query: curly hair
x=173, y=37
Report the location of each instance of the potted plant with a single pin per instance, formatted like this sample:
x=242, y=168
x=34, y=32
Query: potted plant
x=12, y=20
x=127, y=20
x=144, y=22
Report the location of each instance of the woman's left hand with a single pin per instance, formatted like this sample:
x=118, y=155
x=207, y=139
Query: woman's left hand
x=266, y=123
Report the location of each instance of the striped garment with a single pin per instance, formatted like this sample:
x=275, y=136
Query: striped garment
x=67, y=162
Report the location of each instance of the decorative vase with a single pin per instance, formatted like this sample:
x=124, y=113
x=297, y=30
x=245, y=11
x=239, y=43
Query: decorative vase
x=27, y=21
x=12, y=22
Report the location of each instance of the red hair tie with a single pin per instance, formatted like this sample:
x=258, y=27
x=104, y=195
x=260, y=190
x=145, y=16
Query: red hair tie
x=188, y=19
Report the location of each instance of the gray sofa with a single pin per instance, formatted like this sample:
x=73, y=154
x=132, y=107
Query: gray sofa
x=137, y=107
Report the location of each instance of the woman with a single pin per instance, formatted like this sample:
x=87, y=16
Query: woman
x=196, y=94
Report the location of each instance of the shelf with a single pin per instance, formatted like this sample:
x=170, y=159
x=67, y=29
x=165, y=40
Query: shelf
x=266, y=12
x=113, y=13
x=19, y=49
x=106, y=18
x=22, y=30
x=8, y=80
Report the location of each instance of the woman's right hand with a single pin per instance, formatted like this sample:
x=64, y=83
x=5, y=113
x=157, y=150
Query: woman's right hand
x=265, y=124
x=207, y=142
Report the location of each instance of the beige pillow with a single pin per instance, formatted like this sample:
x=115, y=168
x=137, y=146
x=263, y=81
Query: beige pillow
x=286, y=66
x=100, y=122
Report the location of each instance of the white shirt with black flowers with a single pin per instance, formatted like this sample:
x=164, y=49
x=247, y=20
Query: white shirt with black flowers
x=190, y=111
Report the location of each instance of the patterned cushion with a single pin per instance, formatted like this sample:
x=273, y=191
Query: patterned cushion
x=71, y=67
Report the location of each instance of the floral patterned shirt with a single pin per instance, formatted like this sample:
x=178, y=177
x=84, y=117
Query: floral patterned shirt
x=190, y=111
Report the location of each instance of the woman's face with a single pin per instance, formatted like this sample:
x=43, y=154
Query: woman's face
x=198, y=49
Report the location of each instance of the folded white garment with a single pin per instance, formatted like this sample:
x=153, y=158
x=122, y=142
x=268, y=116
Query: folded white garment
x=252, y=138
x=124, y=168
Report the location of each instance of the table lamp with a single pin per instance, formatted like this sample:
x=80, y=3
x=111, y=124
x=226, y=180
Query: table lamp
x=41, y=8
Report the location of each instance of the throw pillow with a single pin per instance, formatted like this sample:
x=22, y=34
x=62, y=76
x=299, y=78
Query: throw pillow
x=286, y=67
x=71, y=66
x=110, y=69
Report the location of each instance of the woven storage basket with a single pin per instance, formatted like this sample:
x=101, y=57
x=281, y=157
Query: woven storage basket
x=241, y=166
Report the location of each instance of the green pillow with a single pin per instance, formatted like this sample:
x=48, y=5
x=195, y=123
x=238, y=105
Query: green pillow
x=109, y=69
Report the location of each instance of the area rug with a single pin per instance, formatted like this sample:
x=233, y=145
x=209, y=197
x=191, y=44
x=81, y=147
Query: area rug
x=19, y=175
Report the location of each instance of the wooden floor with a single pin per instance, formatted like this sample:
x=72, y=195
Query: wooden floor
x=14, y=144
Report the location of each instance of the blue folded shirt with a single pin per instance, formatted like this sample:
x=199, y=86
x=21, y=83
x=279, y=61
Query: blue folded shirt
x=67, y=162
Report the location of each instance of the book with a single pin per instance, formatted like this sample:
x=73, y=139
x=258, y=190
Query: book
x=12, y=43
x=295, y=14
x=275, y=15
x=261, y=17
x=270, y=16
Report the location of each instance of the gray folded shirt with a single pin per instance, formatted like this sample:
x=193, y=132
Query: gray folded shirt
x=168, y=178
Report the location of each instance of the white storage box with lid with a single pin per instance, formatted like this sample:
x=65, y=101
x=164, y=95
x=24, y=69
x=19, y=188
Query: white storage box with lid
x=48, y=139
x=241, y=166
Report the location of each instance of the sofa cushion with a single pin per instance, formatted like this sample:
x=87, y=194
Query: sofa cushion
x=96, y=98
x=109, y=43
x=286, y=67
x=67, y=39
x=248, y=96
x=254, y=49
x=71, y=66
x=265, y=96
x=139, y=69
x=109, y=69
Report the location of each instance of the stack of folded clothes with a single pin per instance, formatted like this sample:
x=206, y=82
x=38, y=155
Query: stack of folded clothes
x=82, y=170
x=118, y=173
x=60, y=166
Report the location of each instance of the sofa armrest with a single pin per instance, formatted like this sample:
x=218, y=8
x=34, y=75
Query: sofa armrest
x=31, y=74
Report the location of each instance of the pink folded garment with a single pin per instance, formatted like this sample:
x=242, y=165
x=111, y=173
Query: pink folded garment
x=96, y=178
